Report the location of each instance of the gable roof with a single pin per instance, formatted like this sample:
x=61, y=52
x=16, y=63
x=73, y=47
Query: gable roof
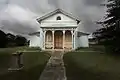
x=35, y=33
x=57, y=11
x=83, y=33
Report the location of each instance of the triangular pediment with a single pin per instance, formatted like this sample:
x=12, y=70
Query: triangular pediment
x=56, y=12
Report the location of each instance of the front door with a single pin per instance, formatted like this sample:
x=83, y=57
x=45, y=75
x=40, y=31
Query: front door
x=58, y=40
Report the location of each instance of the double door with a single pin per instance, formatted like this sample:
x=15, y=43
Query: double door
x=58, y=40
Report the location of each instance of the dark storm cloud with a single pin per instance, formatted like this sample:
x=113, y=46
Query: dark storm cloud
x=93, y=2
x=19, y=16
x=88, y=11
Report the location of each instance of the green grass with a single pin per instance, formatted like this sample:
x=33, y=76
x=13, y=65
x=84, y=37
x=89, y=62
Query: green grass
x=92, y=48
x=34, y=63
x=92, y=66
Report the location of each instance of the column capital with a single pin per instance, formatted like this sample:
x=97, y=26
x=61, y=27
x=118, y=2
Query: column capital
x=44, y=31
x=53, y=31
x=63, y=31
x=73, y=32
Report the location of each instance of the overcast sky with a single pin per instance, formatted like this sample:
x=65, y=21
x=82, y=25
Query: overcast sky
x=19, y=16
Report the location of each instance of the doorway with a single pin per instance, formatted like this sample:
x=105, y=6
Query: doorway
x=58, y=40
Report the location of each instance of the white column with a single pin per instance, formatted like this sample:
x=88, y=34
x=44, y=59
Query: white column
x=44, y=39
x=53, y=38
x=40, y=40
x=72, y=39
x=63, y=39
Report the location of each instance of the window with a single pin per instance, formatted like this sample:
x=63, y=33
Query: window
x=58, y=18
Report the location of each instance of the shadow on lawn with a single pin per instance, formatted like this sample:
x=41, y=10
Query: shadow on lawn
x=30, y=74
x=78, y=72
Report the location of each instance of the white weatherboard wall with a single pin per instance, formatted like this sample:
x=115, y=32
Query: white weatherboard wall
x=52, y=22
x=36, y=41
x=76, y=42
x=83, y=41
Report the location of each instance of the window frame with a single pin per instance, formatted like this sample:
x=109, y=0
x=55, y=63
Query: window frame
x=58, y=18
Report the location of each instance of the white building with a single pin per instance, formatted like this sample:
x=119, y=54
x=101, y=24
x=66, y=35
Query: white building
x=59, y=30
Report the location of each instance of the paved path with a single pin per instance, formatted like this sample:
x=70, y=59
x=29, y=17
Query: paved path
x=54, y=69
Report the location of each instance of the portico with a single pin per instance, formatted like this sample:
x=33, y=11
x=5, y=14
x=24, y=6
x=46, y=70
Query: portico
x=58, y=38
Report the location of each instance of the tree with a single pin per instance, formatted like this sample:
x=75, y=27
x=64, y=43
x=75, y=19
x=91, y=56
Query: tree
x=20, y=41
x=10, y=40
x=2, y=39
x=109, y=35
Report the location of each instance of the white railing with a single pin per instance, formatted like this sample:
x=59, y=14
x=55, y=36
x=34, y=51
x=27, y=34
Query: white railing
x=68, y=44
x=48, y=44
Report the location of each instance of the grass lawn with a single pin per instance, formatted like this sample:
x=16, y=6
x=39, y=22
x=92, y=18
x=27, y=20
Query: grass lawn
x=34, y=63
x=91, y=65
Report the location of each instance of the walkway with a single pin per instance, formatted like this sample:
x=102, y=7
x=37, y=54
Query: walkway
x=54, y=69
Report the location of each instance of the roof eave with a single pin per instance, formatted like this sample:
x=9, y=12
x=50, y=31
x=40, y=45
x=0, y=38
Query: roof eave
x=84, y=32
